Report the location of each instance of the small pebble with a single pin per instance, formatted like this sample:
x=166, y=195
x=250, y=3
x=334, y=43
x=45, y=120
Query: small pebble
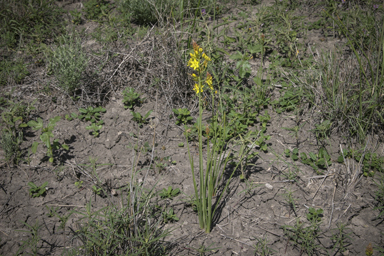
x=268, y=186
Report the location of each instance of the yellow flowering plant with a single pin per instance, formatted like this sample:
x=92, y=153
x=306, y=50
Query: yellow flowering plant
x=211, y=176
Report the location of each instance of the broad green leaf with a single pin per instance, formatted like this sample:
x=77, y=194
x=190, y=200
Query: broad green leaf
x=312, y=156
x=32, y=185
x=34, y=147
x=236, y=56
x=147, y=115
x=36, y=125
x=54, y=120
x=45, y=138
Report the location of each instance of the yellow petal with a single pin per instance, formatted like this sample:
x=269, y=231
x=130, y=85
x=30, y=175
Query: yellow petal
x=206, y=57
x=198, y=89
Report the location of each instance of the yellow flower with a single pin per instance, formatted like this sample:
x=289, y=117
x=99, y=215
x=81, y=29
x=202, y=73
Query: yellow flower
x=209, y=81
x=198, y=89
x=206, y=57
x=195, y=78
x=193, y=63
x=194, y=55
x=205, y=63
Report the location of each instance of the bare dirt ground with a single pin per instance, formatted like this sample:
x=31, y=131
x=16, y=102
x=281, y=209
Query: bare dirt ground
x=252, y=210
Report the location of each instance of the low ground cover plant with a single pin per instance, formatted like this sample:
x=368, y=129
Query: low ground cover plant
x=36, y=191
x=169, y=193
x=182, y=116
x=13, y=120
x=320, y=160
x=92, y=115
x=249, y=65
x=131, y=98
x=67, y=63
x=141, y=120
x=45, y=137
x=371, y=162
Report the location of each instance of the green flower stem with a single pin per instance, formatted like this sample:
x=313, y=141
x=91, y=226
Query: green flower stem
x=201, y=171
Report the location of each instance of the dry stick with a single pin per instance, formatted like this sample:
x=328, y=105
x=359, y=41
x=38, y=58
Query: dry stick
x=280, y=181
x=343, y=212
x=342, y=153
x=333, y=198
x=235, y=239
x=321, y=184
x=354, y=180
x=4, y=233
x=125, y=59
x=64, y=205
x=269, y=231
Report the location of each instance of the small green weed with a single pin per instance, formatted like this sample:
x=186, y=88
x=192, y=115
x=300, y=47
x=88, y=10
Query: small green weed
x=162, y=163
x=63, y=219
x=294, y=132
x=91, y=114
x=96, y=9
x=290, y=200
x=264, y=119
x=371, y=162
x=294, y=154
x=51, y=211
x=12, y=70
x=93, y=165
x=242, y=64
x=291, y=174
x=183, y=116
x=46, y=135
x=322, y=131
x=68, y=62
x=341, y=239
x=36, y=191
x=11, y=146
x=15, y=114
x=291, y=100
x=141, y=120
x=305, y=236
x=76, y=17
x=95, y=129
x=321, y=160
x=314, y=216
x=261, y=247
x=79, y=184
x=131, y=98
x=379, y=196
x=169, y=193
x=169, y=216
x=32, y=242
x=96, y=190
